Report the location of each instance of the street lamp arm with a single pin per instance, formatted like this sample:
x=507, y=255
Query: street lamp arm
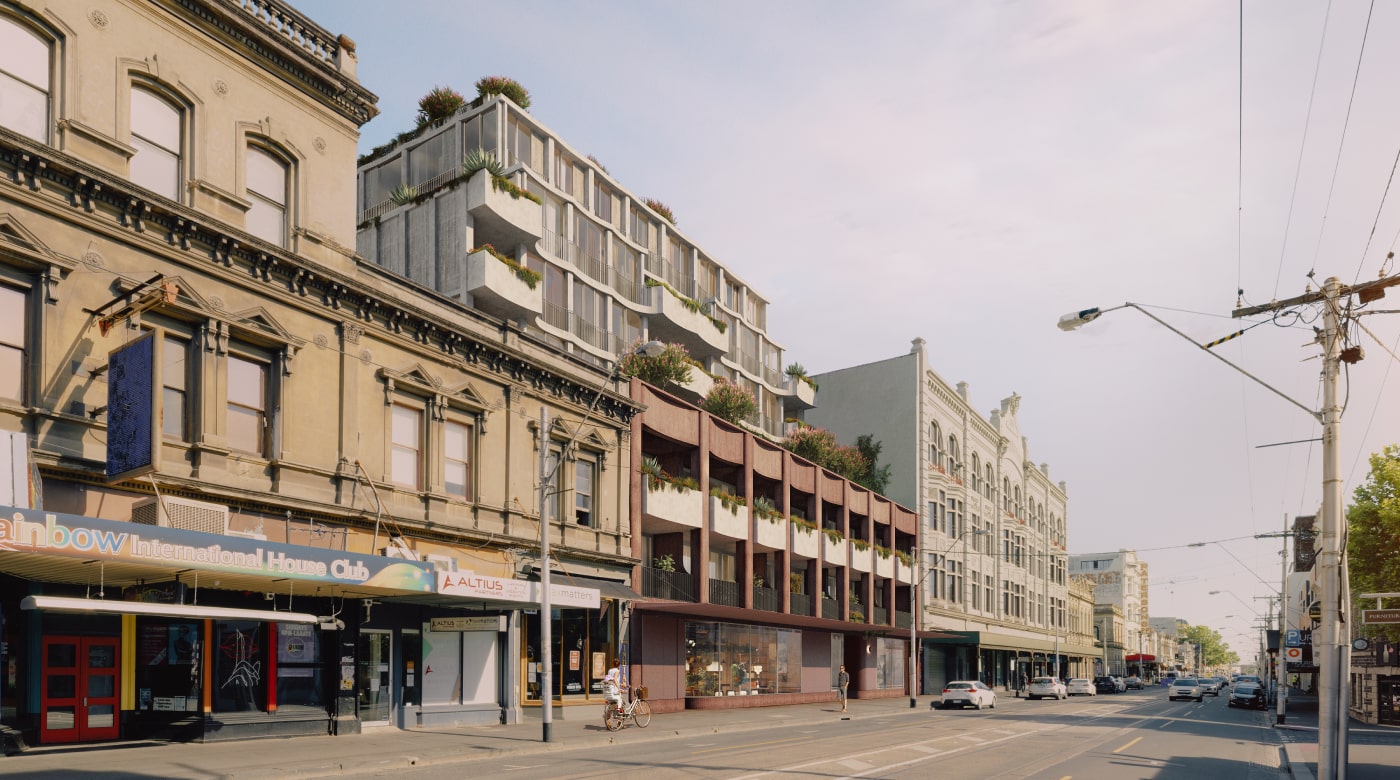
x=1072, y=321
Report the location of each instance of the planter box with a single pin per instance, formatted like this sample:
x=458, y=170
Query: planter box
x=666, y=503
x=804, y=542
x=884, y=567
x=772, y=535
x=674, y=322
x=699, y=385
x=500, y=219
x=733, y=524
x=496, y=289
x=862, y=560
x=905, y=574
x=833, y=553
x=802, y=392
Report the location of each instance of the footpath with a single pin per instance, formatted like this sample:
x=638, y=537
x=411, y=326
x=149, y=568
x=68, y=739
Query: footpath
x=386, y=749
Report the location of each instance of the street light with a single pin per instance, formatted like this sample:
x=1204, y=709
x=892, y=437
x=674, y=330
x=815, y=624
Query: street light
x=914, y=606
x=547, y=475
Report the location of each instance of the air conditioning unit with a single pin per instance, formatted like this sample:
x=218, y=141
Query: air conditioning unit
x=445, y=563
x=183, y=513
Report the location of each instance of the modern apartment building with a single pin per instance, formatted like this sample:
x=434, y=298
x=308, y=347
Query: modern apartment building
x=266, y=488
x=603, y=267
x=762, y=572
x=992, y=523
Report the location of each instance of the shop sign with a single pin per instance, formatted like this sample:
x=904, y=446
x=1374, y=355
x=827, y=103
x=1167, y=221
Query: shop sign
x=480, y=586
x=51, y=533
x=1380, y=616
x=474, y=623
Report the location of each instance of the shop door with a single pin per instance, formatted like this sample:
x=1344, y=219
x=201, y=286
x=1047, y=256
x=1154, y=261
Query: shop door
x=373, y=677
x=78, y=700
x=1388, y=701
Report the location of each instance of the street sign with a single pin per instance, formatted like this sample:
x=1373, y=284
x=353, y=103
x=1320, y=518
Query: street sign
x=1293, y=638
x=1380, y=616
x=1293, y=654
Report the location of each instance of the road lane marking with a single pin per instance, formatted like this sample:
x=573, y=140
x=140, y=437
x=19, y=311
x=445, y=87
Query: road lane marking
x=749, y=745
x=926, y=749
x=970, y=738
x=1130, y=744
x=1066, y=777
x=855, y=764
x=888, y=748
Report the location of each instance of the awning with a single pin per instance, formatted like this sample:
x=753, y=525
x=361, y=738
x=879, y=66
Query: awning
x=118, y=607
x=1144, y=657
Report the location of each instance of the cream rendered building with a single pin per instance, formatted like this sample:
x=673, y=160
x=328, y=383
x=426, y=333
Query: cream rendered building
x=332, y=461
x=992, y=525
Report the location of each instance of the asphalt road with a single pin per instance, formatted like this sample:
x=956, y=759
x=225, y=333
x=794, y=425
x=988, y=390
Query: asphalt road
x=1133, y=735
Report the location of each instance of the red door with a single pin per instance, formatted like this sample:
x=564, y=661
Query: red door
x=78, y=701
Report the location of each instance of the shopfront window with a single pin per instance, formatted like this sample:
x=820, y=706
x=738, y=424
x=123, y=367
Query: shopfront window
x=728, y=659
x=892, y=655
x=240, y=659
x=584, y=643
x=299, y=673
x=167, y=668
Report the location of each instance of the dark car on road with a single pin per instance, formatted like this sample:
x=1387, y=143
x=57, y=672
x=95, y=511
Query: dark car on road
x=1134, y=683
x=1105, y=685
x=1247, y=694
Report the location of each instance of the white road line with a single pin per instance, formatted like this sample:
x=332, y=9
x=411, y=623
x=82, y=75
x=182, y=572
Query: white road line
x=970, y=738
x=887, y=749
x=926, y=749
x=852, y=763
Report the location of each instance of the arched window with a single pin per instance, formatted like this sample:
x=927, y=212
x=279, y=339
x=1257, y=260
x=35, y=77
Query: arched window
x=1017, y=505
x=156, y=136
x=952, y=454
x=990, y=484
x=24, y=80
x=267, y=192
x=1006, y=493
x=976, y=473
x=934, y=435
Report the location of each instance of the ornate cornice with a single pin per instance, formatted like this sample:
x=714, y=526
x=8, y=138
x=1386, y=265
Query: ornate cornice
x=96, y=194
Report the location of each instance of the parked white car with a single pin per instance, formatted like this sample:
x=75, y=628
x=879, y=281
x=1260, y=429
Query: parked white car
x=968, y=693
x=1081, y=686
x=1046, y=688
x=1186, y=688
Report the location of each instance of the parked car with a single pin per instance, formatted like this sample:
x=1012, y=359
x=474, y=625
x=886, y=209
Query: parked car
x=1046, y=688
x=1105, y=685
x=1247, y=694
x=1081, y=686
x=1134, y=683
x=1120, y=682
x=968, y=693
x=1249, y=678
x=1186, y=688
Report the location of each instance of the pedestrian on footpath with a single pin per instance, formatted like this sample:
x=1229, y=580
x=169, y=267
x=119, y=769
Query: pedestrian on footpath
x=843, y=679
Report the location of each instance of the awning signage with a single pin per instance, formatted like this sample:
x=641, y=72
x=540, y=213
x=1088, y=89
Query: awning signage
x=480, y=586
x=472, y=623
x=91, y=538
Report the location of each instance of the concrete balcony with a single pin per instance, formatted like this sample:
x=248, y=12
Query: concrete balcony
x=671, y=321
x=665, y=508
x=884, y=567
x=771, y=534
x=833, y=552
x=804, y=541
x=697, y=388
x=499, y=219
x=862, y=560
x=497, y=289
x=731, y=523
x=905, y=574
x=798, y=395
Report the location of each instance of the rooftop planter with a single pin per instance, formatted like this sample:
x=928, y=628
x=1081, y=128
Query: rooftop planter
x=503, y=287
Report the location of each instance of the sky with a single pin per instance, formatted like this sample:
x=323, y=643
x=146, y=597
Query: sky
x=969, y=172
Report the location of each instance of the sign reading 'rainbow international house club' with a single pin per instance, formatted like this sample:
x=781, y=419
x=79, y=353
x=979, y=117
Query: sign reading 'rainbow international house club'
x=73, y=536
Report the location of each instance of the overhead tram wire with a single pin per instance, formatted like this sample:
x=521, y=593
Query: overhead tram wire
x=1380, y=394
x=1298, y=170
x=1346, y=123
x=1369, y=236
x=1239, y=167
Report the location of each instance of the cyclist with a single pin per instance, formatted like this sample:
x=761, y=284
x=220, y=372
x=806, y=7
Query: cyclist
x=614, y=683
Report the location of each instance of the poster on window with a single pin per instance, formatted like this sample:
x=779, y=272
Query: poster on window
x=296, y=643
x=182, y=642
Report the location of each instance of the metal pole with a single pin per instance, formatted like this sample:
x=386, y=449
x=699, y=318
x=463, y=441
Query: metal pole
x=1282, y=709
x=914, y=630
x=1331, y=724
x=546, y=614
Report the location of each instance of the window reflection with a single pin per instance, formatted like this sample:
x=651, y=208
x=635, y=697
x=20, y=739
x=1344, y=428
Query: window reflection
x=727, y=659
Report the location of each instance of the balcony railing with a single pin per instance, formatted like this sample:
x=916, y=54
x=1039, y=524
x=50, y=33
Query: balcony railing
x=556, y=316
x=588, y=331
x=673, y=585
x=724, y=592
x=882, y=616
x=801, y=604
x=628, y=287
x=831, y=609
x=903, y=619
x=766, y=599
x=773, y=376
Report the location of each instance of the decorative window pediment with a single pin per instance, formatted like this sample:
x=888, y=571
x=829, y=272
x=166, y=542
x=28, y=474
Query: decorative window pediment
x=417, y=380
x=21, y=248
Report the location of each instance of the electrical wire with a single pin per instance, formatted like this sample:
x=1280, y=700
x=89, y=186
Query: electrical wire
x=1298, y=169
x=1369, y=236
x=1346, y=123
x=1379, y=396
x=1239, y=167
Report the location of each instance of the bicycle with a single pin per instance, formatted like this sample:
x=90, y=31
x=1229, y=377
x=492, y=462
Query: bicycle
x=637, y=710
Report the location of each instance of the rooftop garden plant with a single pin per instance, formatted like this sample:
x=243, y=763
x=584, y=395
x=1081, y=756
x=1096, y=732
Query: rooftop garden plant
x=729, y=402
x=439, y=104
x=689, y=303
x=661, y=209
x=672, y=365
x=487, y=86
x=600, y=165
x=404, y=193
x=798, y=372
